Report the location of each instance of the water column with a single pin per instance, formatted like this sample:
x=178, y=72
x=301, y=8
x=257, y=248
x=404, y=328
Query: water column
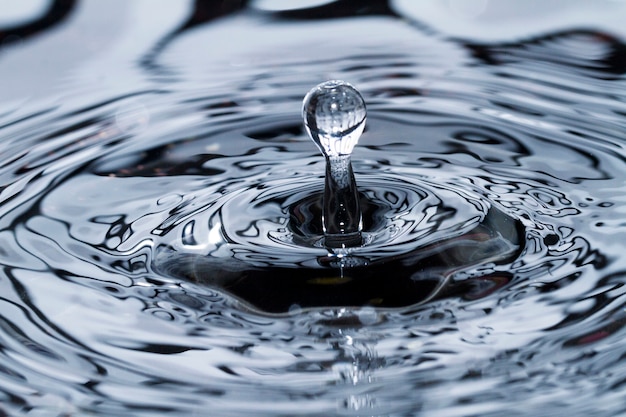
x=334, y=116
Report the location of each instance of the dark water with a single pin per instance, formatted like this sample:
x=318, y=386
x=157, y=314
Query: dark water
x=148, y=149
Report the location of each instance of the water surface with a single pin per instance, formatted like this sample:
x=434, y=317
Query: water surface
x=120, y=123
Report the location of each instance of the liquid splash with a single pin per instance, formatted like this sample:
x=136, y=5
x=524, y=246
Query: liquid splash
x=334, y=117
x=533, y=126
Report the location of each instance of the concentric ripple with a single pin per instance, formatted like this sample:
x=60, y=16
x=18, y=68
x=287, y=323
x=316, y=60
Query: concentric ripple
x=129, y=180
x=263, y=236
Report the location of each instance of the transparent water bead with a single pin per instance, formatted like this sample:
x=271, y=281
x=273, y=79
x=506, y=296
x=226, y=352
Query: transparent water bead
x=334, y=116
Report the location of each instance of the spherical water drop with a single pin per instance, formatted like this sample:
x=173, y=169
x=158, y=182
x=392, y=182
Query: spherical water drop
x=334, y=116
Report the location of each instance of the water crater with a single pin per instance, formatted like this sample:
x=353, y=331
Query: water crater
x=283, y=246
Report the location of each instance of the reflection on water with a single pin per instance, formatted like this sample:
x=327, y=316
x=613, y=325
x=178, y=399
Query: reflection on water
x=20, y=28
x=121, y=125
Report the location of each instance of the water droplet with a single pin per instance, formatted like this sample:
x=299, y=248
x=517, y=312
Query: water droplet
x=334, y=116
